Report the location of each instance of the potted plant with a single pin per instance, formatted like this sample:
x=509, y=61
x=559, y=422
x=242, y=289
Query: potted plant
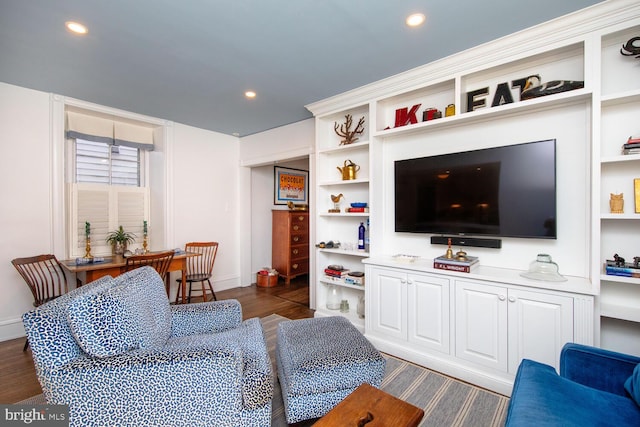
x=119, y=239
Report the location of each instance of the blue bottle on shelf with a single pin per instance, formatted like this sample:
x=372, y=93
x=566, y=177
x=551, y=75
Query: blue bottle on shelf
x=361, y=236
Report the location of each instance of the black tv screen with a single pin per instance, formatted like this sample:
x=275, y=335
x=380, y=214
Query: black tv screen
x=505, y=191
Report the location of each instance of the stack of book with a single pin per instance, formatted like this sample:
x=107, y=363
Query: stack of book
x=454, y=264
x=358, y=209
x=336, y=273
x=632, y=146
x=628, y=270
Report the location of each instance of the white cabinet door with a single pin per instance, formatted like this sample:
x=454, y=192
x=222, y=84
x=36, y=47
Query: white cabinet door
x=428, y=309
x=481, y=324
x=386, y=300
x=539, y=325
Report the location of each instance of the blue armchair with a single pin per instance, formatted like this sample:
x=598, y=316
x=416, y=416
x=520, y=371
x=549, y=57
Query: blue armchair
x=118, y=354
x=595, y=387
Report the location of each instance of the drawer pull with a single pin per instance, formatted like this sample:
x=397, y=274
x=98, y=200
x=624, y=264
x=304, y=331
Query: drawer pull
x=296, y=228
x=294, y=266
x=301, y=218
x=295, y=252
x=296, y=238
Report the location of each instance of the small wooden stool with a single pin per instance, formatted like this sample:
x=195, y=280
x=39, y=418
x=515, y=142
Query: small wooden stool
x=368, y=406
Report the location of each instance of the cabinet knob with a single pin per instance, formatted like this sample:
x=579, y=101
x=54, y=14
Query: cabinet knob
x=403, y=281
x=410, y=282
x=296, y=238
x=295, y=251
x=294, y=266
x=512, y=299
x=300, y=218
x=502, y=297
x=296, y=228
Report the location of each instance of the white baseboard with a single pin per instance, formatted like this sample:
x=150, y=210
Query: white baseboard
x=11, y=328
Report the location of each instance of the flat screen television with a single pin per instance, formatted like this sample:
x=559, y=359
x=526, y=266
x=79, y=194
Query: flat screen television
x=505, y=191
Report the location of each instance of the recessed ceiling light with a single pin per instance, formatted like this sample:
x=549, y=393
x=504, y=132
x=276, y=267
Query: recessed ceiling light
x=250, y=94
x=415, y=19
x=76, y=27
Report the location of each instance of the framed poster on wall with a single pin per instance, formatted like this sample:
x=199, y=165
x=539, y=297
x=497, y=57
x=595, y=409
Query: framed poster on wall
x=290, y=185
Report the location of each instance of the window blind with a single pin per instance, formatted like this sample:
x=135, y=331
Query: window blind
x=109, y=131
x=105, y=208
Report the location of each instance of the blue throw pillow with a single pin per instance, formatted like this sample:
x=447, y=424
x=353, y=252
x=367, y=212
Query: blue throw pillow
x=632, y=385
x=103, y=323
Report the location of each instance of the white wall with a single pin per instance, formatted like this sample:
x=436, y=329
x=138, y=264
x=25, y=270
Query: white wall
x=25, y=166
x=202, y=169
x=205, y=196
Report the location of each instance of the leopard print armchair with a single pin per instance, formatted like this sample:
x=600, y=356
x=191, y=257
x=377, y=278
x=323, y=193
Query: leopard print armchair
x=119, y=354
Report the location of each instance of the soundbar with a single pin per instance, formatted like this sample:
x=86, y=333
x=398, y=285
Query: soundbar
x=467, y=241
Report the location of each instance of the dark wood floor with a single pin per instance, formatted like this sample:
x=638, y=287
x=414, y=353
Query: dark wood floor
x=18, y=377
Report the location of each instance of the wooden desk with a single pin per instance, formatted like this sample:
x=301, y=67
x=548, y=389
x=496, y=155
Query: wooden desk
x=114, y=266
x=368, y=406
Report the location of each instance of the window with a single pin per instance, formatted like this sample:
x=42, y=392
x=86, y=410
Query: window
x=106, y=167
x=100, y=163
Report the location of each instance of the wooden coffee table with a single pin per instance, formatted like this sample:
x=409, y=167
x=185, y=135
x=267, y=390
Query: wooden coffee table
x=368, y=406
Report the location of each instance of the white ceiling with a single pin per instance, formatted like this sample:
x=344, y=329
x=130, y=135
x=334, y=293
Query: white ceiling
x=191, y=61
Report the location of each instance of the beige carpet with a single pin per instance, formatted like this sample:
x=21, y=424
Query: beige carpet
x=445, y=400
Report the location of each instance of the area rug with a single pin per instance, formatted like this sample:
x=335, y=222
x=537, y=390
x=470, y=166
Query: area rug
x=445, y=400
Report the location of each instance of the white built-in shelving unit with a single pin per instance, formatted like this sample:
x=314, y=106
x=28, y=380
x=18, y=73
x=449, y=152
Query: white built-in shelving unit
x=590, y=126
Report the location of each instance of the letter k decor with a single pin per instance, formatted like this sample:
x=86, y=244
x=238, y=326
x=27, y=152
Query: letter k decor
x=404, y=116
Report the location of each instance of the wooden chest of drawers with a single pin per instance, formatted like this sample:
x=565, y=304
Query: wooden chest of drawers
x=290, y=243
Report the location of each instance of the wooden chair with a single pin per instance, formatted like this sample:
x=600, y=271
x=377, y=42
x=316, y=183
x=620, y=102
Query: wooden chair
x=158, y=260
x=44, y=276
x=199, y=268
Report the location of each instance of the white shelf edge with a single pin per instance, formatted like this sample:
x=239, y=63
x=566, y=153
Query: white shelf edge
x=617, y=311
x=342, y=284
x=345, y=252
x=487, y=112
x=619, y=279
x=620, y=216
x=343, y=148
x=621, y=158
x=620, y=97
x=344, y=182
x=343, y=214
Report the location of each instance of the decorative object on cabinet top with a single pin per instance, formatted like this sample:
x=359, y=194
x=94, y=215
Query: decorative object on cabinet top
x=631, y=48
x=297, y=206
x=405, y=258
x=344, y=130
x=535, y=88
x=544, y=269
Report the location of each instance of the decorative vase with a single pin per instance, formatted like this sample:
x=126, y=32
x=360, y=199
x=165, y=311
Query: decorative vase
x=119, y=248
x=334, y=297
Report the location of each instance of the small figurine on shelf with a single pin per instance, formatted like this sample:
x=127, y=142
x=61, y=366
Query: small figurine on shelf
x=336, y=203
x=616, y=203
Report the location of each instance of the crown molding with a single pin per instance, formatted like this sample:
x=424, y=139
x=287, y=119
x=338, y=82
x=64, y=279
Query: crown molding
x=562, y=31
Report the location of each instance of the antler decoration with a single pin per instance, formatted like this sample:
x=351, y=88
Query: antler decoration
x=345, y=131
